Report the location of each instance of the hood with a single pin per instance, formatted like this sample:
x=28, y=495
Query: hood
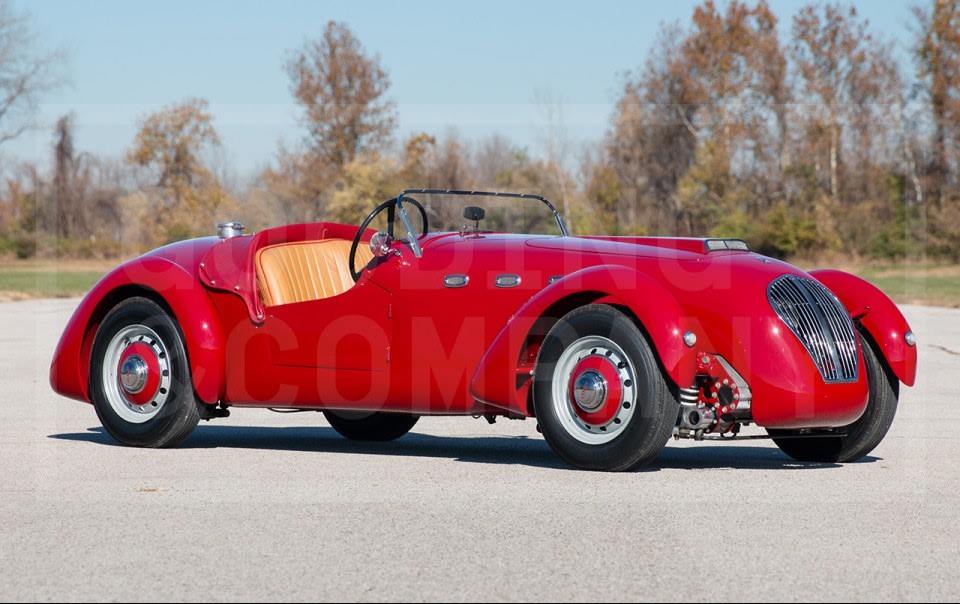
x=698, y=278
x=645, y=247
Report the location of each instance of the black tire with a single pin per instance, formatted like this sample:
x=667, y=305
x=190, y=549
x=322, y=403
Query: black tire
x=377, y=427
x=651, y=424
x=863, y=435
x=181, y=410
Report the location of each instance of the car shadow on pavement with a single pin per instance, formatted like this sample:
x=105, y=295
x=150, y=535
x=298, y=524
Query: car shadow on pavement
x=738, y=457
x=500, y=449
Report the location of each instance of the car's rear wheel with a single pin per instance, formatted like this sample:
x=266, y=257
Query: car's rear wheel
x=139, y=377
x=379, y=426
x=862, y=436
x=600, y=397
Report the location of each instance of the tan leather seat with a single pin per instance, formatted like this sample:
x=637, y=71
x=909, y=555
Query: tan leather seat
x=307, y=270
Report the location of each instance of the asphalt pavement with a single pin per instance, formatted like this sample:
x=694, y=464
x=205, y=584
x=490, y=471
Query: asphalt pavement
x=264, y=506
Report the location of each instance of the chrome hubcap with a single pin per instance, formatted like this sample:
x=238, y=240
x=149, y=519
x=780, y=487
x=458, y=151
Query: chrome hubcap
x=594, y=389
x=133, y=374
x=590, y=390
x=136, y=374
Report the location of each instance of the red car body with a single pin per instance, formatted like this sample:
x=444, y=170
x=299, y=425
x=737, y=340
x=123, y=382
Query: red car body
x=400, y=340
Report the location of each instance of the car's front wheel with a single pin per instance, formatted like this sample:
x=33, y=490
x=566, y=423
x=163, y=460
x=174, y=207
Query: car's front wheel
x=860, y=437
x=139, y=376
x=600, y=397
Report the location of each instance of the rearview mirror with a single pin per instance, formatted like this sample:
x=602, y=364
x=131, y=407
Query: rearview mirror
x=473, y=213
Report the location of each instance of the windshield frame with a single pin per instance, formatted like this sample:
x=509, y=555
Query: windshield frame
x=412, y=237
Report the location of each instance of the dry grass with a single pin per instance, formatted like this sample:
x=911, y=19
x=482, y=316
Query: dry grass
x=27, y=279
x=908, y=282
x=48, y=265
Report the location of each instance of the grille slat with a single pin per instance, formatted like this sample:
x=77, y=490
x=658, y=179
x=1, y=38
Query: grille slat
x=820, y=322
x=809, y=325
x=846, y=348
x=835, y=325
x=828, y=342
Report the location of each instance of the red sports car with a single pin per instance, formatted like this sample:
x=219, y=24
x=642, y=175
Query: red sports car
x=612, y=344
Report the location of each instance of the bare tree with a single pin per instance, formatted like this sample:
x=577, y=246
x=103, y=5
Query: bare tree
x=451, y=162
x=66, y=197
x=23, y=73
x=495, y=155
x=652, y=140
x=601, y=188
x=937, y=51
x=297, y=183
x=556, y=144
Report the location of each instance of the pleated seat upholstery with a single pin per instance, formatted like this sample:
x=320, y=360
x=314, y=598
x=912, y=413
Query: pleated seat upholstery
x=306, y=270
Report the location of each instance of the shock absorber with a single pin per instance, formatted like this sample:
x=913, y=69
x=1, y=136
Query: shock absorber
x=695, y=417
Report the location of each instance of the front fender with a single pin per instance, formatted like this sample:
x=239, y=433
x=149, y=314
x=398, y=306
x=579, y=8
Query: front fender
x=497, y=381
x=184, y=295
x=883, y=320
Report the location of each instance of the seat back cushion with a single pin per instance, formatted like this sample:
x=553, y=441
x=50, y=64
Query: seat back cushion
x=306, y=270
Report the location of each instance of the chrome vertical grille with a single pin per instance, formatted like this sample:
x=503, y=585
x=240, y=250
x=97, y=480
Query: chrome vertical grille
x=814, y=314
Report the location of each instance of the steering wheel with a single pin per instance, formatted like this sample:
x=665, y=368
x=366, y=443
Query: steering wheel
x=390, y=206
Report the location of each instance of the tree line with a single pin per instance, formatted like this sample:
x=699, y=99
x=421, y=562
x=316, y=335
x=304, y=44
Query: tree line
x=804, y=138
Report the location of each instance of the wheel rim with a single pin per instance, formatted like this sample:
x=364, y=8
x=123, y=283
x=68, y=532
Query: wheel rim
x=594, y=390
x=136, y=374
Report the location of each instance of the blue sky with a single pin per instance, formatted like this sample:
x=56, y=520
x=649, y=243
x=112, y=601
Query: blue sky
x=476, y=66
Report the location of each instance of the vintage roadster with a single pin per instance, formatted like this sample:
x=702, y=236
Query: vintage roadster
x=612, y=344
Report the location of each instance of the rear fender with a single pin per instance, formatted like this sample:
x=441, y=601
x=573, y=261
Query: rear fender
x=502, y=378
x=165, y=282
x=883, y=320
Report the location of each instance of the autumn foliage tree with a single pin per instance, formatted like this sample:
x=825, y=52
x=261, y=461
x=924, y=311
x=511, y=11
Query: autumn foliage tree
x=698, y=131
x=736, y=70
x=170, y=145
x=731, y=130
x=845, y=73
x=170, y=142
x=799, y=132
x=342, y=90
